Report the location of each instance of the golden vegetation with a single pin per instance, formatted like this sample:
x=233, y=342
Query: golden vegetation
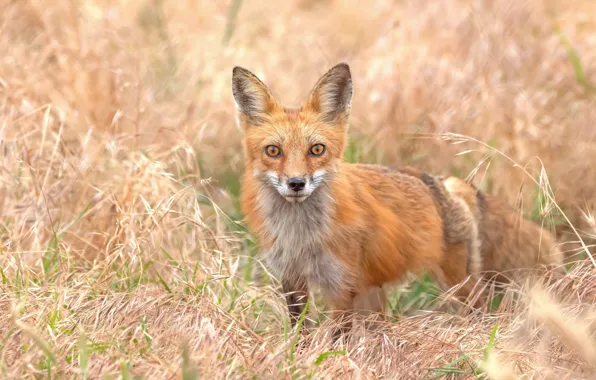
x=121, y=250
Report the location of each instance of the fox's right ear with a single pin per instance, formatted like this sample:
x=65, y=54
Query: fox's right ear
x=332, y=95
x=254, y=102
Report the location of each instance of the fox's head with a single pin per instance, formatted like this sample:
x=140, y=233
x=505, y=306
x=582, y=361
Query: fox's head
x=294, y=150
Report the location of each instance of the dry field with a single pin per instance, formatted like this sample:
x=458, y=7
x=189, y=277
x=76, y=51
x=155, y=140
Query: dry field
x=122, y=250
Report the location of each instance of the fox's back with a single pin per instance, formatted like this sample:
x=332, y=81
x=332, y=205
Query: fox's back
x=392, y=187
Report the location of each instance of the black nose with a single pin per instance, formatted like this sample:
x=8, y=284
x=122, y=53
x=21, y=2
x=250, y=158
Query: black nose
x=296, y=184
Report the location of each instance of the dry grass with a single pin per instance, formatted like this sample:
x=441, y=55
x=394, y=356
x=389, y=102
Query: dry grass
x=121, y=251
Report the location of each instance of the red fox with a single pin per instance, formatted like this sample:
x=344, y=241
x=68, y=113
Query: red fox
x=349, y=228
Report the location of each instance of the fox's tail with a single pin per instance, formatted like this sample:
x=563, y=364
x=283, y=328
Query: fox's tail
x=507, y=241
x=460, y=223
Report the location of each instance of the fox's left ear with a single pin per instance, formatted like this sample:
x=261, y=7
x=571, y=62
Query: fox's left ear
x=332, y=95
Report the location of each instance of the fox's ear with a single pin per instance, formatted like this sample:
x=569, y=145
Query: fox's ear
x=254, y=102
x=332, y=95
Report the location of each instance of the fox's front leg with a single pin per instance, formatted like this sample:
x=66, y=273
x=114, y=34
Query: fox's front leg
x=372, y=304
x=342, y=315
x=296, y=293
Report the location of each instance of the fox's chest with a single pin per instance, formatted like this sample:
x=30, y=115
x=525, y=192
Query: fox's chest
x=318, y=268
x=299, y=233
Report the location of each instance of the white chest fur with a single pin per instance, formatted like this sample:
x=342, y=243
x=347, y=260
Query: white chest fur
x=299, y=231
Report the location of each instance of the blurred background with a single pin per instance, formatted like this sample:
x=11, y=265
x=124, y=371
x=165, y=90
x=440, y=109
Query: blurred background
x=152, y=78
x=120, y=157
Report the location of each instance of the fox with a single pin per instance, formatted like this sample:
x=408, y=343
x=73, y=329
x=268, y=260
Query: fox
x=351, y=229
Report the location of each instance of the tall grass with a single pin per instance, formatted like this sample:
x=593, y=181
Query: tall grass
x=122, y=251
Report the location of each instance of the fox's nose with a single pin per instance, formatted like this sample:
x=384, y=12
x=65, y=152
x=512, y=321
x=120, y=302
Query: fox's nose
x=296, y=184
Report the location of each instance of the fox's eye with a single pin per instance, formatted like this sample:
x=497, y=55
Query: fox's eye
x=317, y=150
x=272, y=151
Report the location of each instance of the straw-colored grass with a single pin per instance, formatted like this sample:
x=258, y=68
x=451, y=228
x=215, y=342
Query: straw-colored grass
x=122, y=252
